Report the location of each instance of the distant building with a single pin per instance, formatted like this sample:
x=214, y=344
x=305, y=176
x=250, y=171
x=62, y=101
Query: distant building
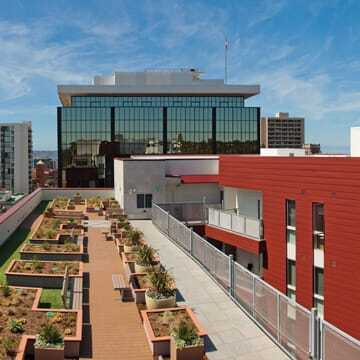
x=282, y=131
x=312, y=149
x=49, y=162
x=43, y=176
x=150, y=112
x=16, y=157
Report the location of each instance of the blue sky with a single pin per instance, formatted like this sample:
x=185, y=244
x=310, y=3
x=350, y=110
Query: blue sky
x=304, y=54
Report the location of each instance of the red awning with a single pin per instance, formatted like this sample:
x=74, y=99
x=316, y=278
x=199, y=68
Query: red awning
x=199, y=179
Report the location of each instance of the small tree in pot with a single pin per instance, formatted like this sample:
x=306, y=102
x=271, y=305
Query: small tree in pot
x=146, y=259
x=185, y=343
x=132, y=241
x=162, y=294
x=49, y=344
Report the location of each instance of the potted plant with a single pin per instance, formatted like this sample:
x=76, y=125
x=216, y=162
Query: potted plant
x=146, y=260
x=49, y=344
x=186, y=344
x=77, y=198
x=132, y=240
x=162, y=294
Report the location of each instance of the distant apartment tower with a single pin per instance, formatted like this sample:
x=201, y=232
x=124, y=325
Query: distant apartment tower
x=150, y=112
x=282, y=131
x=16, y=157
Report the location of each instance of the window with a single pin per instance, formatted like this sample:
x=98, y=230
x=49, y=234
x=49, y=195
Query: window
x=319, y=290
x=291, y=213
x=143, y=201
x=291, y=273
x=318, y=226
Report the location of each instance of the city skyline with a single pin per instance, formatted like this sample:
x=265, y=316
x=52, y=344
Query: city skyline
x=307, y=70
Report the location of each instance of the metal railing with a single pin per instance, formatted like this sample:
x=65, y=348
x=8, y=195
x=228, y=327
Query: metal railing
x=231, y=220
x=298, y=331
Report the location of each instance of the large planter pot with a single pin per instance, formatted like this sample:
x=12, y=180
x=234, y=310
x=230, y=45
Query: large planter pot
x=152, y=303
x=47, y=354
x=187, y=353
x=139, y=269
x=130, y=249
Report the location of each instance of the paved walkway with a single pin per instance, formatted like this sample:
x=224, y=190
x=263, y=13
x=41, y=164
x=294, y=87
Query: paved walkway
x=233, y=335
x=115, y=330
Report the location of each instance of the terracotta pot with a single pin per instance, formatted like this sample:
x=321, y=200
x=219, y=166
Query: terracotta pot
x=152, y=303
x=187, y=353
x=139, y=269
x=46, y=354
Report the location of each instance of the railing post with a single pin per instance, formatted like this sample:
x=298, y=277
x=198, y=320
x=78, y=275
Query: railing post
x=322, y=354
x=168, y=220
x=191, y=241
x=253, y=296
x=314, y=335
x=231, y=275
x=278, y=316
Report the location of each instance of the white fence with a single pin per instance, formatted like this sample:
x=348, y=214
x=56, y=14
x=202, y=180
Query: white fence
x=298, y=331
x=235, y=222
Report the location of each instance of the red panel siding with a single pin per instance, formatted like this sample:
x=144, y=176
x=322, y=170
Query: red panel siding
x=333, y=181
x=233, y=239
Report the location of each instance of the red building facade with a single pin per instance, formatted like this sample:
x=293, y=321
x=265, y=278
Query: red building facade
x=332, y=182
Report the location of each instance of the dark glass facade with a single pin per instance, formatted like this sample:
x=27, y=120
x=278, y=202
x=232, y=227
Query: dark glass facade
x=95, y=129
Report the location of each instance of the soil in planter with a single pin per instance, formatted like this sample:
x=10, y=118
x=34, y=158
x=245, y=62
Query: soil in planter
x=143, y=282
x=162, y=322
x=45, y=267
x=17, y=306
x=57, y=248
x=48, y=229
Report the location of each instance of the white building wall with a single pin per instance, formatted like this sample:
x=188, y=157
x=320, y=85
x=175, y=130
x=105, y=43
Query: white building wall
x=192, y=192
x=355, y=141
x=192, y=166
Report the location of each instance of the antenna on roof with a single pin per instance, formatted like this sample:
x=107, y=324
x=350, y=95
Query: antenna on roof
x=226, y=47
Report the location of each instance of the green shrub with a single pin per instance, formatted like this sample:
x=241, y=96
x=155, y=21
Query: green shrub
x=9, y=345
x=49, y=337
x=133, y=237
x=163, y=284
x=146, y=255
x=46, y=246
x=5, y=290
x=17, y=326
x=185, y=335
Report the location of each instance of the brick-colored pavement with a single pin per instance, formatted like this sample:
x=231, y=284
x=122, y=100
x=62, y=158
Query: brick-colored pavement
x=115, y=330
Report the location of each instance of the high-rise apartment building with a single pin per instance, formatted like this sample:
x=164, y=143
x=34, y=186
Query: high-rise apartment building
x=282, y=131
x=150, y=112
x=16, y=157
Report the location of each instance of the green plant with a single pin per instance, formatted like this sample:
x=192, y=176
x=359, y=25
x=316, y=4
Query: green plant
x=17, y=326
x=38, y=265
x=46, y=246
x=146, y=255
x=49, y=337
x=133, y=238
x=163, y=284
x=10, y=346
x=6, y=290
x=185, y=335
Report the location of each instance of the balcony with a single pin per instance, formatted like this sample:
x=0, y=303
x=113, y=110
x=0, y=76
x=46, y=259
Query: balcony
x=233, y=221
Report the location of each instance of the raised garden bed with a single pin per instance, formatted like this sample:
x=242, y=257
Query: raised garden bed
x=139, y=284
x=53, y=252
x=20, y=313
x=94, y=204
x=42, y=274
x=158, y=324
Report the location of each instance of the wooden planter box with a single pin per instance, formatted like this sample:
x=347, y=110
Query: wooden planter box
x=46, y=354
x=52, y=256
x=161, y=345
x=127, y=262
x=52, y=281
x=187, y=353
x=137, y=292
x=71, y=343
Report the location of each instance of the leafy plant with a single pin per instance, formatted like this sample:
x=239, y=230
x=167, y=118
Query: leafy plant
x=6, y=290
x=46, y=246
x=163, y=284
x=10, y=346
x=185, y=335
x=38, y=265
x=133, y=238
x=49, y=337
x=146, y=255
x=17, y=326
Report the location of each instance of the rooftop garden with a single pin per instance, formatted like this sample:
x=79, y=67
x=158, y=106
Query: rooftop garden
x=45, y=267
